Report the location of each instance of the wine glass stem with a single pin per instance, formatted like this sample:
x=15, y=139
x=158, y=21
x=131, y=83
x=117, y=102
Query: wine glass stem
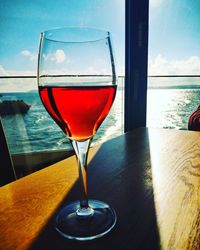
x=81, y=150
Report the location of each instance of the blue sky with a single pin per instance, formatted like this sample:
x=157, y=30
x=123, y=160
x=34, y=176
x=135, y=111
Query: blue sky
x=174, y=41
x=175, y=28
x=174, y=37
x=21, y=22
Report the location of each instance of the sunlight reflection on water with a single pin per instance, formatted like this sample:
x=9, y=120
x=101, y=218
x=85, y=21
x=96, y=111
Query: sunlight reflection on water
x=36, y=131
x=171, y=108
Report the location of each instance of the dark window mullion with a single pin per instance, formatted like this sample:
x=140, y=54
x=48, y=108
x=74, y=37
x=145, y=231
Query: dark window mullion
x=7, y=172
x=136, y=57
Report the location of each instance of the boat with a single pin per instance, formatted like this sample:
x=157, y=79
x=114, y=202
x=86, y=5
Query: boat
x=12, y=107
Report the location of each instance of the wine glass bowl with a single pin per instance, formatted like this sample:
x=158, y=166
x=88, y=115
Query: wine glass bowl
x=77, y=86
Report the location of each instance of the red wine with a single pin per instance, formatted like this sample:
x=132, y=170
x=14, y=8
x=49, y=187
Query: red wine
x=79, y=111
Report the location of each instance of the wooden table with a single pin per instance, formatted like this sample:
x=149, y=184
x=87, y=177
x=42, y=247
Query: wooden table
x=150, y=176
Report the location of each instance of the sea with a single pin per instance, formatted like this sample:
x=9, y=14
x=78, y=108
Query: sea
x=170, y=102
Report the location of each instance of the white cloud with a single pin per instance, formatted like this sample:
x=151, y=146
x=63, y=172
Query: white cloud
x=16, y=84
x=163, y=66
x=3, y=72
x=155, y=3
x=22, y=72
x=59, y=56
x=29, y=55
x=25, y=53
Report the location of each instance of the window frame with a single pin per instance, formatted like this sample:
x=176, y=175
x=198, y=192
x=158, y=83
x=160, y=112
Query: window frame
x=136, y=63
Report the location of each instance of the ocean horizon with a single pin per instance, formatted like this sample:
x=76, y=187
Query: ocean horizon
x=168, y=106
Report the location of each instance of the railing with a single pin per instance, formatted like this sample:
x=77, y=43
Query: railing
x=34, y=139
x=170, y=102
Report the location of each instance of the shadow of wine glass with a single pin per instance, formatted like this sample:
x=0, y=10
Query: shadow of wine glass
x=119, y=174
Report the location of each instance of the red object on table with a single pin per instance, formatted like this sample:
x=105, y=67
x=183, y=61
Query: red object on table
x=194, y=120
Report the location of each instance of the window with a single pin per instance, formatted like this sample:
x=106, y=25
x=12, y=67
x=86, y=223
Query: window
x=31, y=134
x=136, y=63
x=174, y=63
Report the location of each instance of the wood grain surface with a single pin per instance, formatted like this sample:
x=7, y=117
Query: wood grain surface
x=176, y=182
x=150, y=176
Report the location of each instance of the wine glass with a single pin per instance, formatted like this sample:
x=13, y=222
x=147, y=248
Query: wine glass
x=77, y=86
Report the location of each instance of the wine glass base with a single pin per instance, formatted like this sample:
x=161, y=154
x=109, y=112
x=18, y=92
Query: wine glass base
x=72, y=225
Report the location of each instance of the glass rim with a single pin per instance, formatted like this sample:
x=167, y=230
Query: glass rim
x=103, y=34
